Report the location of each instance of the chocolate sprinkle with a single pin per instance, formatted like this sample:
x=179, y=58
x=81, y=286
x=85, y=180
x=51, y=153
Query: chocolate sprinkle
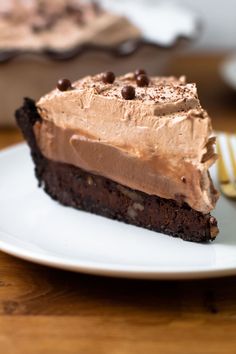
x=128, y=92
x=108, y=77
x=142, y=80
x=64, y=84
x=139, y=72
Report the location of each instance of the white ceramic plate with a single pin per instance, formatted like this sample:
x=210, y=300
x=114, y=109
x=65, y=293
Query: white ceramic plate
x=36, y=228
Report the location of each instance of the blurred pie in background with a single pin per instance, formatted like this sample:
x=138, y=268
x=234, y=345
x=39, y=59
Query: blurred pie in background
x=43, y=40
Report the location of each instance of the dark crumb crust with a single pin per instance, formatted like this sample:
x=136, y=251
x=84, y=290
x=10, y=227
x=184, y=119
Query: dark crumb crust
x=74, y=187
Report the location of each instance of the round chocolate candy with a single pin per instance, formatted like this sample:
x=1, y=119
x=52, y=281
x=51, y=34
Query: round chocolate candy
x=142, y=80
x=64, y=84
x=108, y=77
x=128, y=92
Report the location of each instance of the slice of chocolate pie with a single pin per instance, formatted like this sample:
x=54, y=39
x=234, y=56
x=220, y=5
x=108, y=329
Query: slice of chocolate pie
x=132, y=148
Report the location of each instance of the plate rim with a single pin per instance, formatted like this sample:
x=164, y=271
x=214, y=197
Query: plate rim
x=118, y=271
x=105, y=269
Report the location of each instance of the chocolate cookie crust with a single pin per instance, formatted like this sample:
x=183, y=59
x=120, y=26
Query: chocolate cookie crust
x=72, y=186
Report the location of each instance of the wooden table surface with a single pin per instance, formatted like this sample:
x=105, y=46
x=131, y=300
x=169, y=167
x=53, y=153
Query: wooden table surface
x=45, y=310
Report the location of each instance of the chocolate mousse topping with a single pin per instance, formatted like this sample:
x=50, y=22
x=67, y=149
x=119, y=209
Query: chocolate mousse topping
x=160, y=142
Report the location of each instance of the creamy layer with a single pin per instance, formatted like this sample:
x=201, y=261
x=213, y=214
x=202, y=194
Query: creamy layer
x=59, y=25
x=159, y=143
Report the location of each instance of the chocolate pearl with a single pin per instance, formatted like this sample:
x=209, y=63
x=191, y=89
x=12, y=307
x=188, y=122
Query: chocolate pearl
x=142, y=80
x=139, y=72
x=128, y=92
x=108, y=77
x=64, y=84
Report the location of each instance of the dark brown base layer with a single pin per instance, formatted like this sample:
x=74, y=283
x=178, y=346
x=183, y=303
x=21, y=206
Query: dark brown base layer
x=72, y=186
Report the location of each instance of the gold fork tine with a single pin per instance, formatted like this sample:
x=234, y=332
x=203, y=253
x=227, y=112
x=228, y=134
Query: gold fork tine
x=227, y=187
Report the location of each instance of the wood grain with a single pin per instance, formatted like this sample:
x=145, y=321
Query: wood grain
x=47, y=311
x=9, y=137
x=44, y=310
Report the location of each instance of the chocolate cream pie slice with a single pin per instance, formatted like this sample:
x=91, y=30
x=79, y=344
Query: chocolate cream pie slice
x=132, y=148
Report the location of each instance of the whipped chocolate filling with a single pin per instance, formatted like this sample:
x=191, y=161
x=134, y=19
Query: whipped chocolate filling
x=159, y=143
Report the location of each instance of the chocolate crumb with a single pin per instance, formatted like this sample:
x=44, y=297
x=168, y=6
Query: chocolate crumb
x=183, y=179
x=128, y=92
x=213, y=227
x=108, y=77
x=142, y=80
x=213, y=221
x=64, y=84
